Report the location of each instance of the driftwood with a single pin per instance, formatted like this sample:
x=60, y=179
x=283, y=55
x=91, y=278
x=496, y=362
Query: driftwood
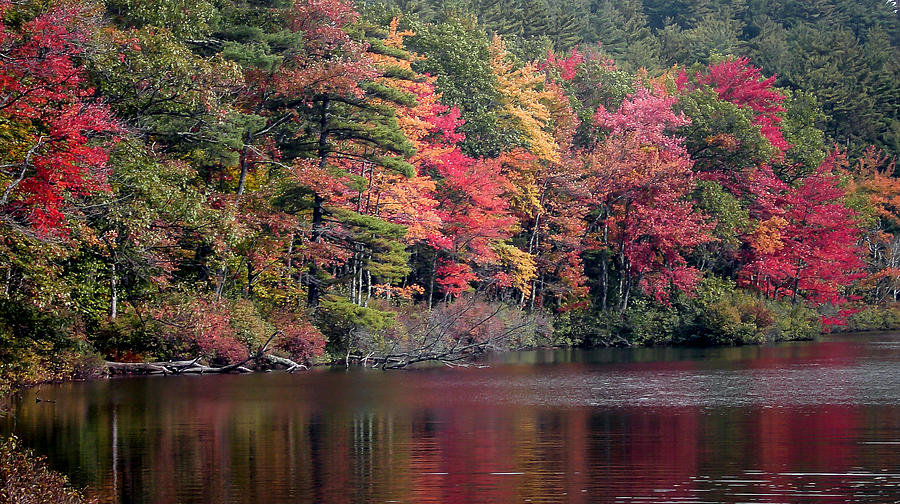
x=195, y=367
x=172, y=367
x=289, y=365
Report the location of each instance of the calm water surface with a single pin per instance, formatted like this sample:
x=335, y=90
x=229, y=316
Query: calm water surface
x=804, y=422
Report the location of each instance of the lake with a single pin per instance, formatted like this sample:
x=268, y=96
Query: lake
x=795, y=422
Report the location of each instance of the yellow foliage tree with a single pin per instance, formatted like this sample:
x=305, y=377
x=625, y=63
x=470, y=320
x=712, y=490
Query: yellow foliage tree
x=520, y=264
x=526, y=100
x=767, y=236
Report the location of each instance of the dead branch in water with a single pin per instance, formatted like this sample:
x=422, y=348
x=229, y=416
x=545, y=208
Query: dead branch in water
x=195, y=367
x=452, y=335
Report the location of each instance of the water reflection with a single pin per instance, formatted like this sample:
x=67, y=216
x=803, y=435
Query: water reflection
x=801, y=423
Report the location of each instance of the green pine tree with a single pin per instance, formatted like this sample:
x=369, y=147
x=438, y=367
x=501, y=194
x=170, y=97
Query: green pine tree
x=568, y=24
x=456, y=52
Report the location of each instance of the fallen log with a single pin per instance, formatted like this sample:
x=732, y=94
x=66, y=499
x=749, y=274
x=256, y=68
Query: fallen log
x=136, y=368
x=194, y=366
x=175, y=367
x=290, y=366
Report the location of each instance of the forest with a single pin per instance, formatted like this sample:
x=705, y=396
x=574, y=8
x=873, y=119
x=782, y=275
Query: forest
x=232, y=183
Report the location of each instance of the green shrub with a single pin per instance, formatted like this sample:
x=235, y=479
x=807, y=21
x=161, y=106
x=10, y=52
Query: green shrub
x=874, y=318
x=717, y=314
x=795, y=322
x=125, y=338
x=588, y=328
x=727, y=322
x=647, y=322
x=36, y=347
x=343, y=322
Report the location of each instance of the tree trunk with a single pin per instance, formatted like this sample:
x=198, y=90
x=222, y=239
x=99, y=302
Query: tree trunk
x=623, y=262
x=535, y=286
x=353, y=286
x=220, y=281
x=290, y=255
x=368, y=287
x=318, y=217
x=250, y=278
x=532, y=244
x=431, y=281
x=359, y=282
x=245, y=165
x=8, y=281
x=604, y=266
x=796, y=283
x=113, y=291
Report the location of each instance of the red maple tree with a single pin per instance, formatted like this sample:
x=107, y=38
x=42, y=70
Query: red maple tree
x=51, y=121
x=739, y=82
x=805, y=244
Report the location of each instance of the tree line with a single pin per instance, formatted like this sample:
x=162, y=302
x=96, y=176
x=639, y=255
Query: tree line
x=395, y=182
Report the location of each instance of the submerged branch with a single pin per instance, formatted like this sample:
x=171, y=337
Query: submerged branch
x=195, y=367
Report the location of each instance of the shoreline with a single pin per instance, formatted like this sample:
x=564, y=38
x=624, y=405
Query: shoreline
x=157, y=368
x=116, y=370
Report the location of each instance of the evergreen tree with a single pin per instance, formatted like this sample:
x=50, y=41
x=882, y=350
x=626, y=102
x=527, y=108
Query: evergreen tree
x=715, y=33
x=537, y=18
x=663, y=12
x=834, y=68
x=456, y=52
x=622, y=29
x=504, y=17
x=422, y=9
x=606, y=24
x=770, y=48
x=568, y=24
x=884, y=61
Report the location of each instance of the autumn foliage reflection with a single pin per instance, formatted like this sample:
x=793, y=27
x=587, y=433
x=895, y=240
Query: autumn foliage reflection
x=503, y=434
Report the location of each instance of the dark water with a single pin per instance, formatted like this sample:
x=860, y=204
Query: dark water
x=807, y=422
